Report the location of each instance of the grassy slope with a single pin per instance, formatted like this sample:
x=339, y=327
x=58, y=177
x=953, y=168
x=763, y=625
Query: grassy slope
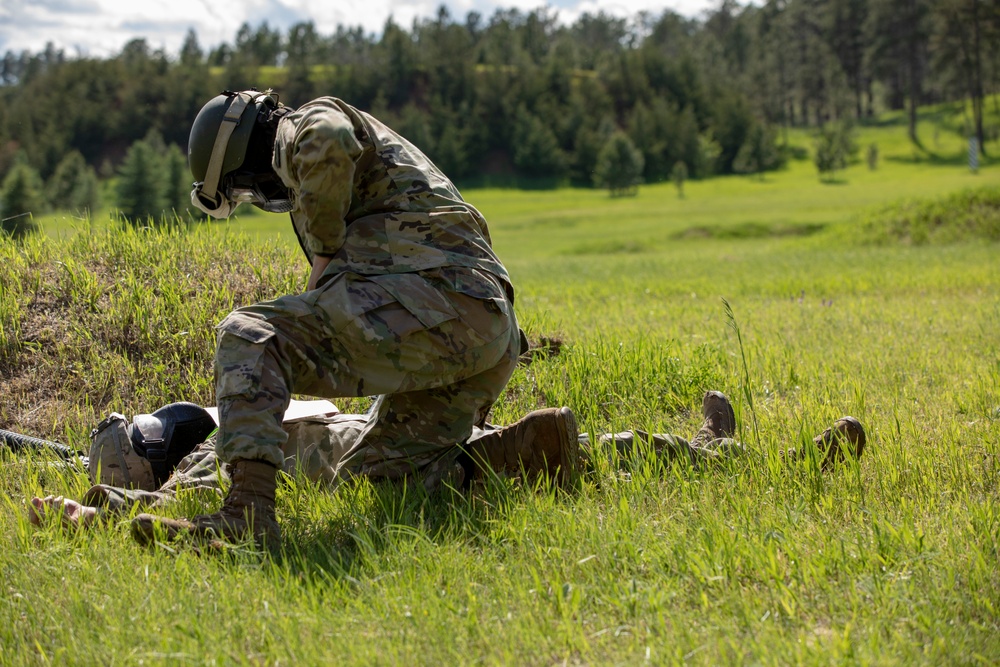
x=893, y=560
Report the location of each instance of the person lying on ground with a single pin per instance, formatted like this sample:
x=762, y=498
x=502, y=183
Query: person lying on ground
x=320, y=448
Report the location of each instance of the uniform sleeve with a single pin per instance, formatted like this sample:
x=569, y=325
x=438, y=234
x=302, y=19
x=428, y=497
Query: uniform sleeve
x=322, y=163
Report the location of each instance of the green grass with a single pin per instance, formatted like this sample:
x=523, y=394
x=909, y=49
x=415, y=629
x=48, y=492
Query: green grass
x=891, y=560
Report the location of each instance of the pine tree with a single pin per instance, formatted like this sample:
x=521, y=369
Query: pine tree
x=87, y=195
x=176, y=185
x=536, y=149
x=758, y=153
x=140, y=187
x=964, y=29
x=678, y=175
x=835, y=147
x=898, y=32
x=20, y=197
x=619, y=166
x=73, y=186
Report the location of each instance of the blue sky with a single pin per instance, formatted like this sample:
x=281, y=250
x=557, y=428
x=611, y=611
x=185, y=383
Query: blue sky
x=102, y=27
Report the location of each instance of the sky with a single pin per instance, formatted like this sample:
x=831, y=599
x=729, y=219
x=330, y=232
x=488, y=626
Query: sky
x=101, y=28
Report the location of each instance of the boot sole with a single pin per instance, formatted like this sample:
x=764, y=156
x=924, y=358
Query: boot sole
x=728, y=429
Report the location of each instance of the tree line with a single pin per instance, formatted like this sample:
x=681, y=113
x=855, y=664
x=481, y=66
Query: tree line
x=521, y=96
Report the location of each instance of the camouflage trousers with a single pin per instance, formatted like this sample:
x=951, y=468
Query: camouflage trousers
x=438, y=347
x=668, y=446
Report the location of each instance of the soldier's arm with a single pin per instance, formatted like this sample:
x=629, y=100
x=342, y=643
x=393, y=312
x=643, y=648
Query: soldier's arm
x=321, y=163
x=319, y=264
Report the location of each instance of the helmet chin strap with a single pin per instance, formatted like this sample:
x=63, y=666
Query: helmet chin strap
x=210, y=187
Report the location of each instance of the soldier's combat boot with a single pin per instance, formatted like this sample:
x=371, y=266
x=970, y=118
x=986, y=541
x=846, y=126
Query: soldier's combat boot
x=720, y=421
x=247, y=511
x=848, y=434
x=543, y=442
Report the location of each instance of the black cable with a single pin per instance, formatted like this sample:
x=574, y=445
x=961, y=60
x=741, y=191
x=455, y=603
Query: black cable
x=17, y=442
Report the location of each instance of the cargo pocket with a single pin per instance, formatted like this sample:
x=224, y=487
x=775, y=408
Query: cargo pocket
x=419, y=297
x=239, y=356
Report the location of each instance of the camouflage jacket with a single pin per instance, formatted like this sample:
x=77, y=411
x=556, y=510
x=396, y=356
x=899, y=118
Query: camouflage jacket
x=370, y=200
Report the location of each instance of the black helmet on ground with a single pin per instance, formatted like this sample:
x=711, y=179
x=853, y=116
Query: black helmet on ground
x=143, y=453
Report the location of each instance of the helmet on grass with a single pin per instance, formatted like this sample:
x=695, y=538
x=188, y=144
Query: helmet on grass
x=228, y=138
x=142, y=454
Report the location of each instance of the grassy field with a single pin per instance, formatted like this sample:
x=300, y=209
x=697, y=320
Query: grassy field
x=890, y=560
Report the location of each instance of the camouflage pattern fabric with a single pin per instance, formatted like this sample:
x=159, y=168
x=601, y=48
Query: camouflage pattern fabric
x=413, y=306
x=437, y=346
x=370, y=200
x=323, y=450
x=671, y=446
x=315, y=448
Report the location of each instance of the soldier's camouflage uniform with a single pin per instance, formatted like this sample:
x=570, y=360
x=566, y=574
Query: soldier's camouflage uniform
x=322, y=449
x=414, y=305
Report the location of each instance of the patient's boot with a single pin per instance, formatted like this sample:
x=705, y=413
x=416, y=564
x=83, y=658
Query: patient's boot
x=248, y=511
x=720, y=421
x=543, y=442
x=846, y=435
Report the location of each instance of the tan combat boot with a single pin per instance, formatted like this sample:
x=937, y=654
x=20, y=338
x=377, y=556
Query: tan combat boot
x=720, y=420
x=847, y=433
x=247, y=511
x=543, y=442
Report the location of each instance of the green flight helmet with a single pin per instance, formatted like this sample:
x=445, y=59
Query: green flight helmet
x=219, y=138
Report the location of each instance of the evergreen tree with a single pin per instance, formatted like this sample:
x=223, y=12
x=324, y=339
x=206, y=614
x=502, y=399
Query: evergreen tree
x=20, y=198
x=450, y=152
x=521, y=88
x=619, y=166
x=678, y=175
x=176, y=184
x=731, y=126
x=87, y=195
x=303, y=53
x=835, y=147
x=758, y=153
x=139, y=195
x=871, y=156
x=191, y=54
x=845, y=35
x=536, y=149
x=898, y=32
x=73, y=186
x=963, y=31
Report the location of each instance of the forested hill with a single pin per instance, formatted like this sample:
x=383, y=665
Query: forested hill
x=523, y=94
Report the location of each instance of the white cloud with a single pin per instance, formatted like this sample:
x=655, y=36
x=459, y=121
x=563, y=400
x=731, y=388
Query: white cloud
x=102, y=27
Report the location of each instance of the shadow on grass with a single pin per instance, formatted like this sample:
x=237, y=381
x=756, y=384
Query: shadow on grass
x=381, y=515
x=610, y=247
x=750, y=230
x=926, y=157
